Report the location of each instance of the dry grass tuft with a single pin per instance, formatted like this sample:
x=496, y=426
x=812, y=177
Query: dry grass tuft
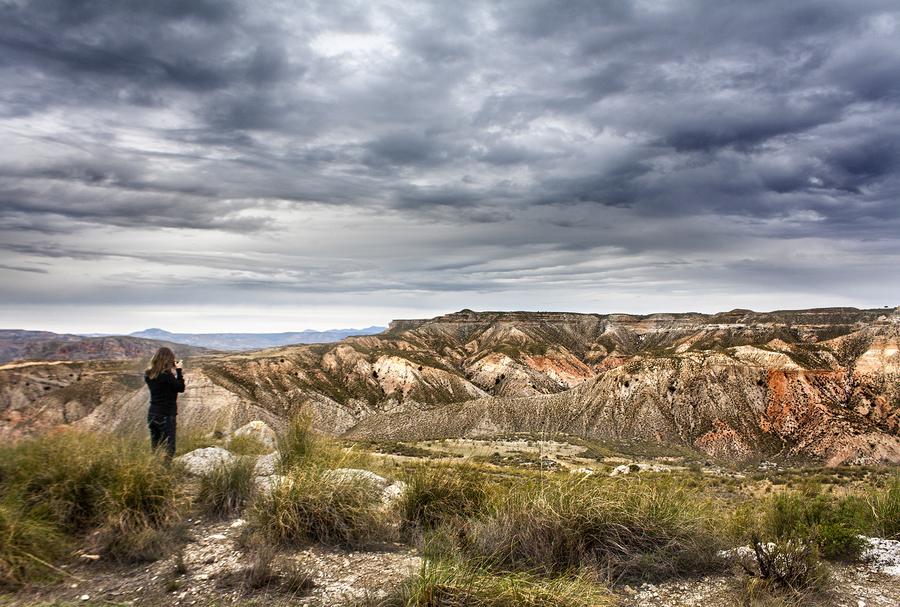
x=316, y=505
x=228, y=488
x=628, y=529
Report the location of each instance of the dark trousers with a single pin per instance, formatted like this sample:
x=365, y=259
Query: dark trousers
x=162, y=432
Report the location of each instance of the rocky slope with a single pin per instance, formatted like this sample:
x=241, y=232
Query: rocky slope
x=821, y=383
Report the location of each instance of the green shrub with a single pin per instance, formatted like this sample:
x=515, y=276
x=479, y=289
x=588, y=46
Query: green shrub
x=436, y=494
x=833, y=523
x=27, y=543
x=626, y=528
x=450, y=584
x=317, y=505
x=228, y=487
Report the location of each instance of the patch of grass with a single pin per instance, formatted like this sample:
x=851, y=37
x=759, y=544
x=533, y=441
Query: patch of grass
x=300, y=446
x=85, y=482
x=262, y=573
x=27, y=543
x=625, y=529
x=140, y=507
x=247, y=445
x=190, y=440
x=451, y=584
x=437, y=494
x=228, y=488
x=885, y=505
x=316, y=505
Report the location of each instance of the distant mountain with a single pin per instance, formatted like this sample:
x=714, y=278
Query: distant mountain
x=43, y=345
x=254, y=341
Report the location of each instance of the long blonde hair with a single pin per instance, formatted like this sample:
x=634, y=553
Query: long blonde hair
x=162, y=361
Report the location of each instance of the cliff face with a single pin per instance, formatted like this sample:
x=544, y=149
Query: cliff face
x=813, y=383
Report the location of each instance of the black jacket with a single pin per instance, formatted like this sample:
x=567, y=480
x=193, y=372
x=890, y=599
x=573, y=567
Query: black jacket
x=164, y=389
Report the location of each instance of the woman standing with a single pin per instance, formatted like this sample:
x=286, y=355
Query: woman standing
x=165, y=380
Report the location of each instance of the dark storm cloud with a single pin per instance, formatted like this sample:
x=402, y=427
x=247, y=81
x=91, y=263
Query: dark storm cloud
x=663, y=133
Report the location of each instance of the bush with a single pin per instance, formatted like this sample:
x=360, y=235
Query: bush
x=227, y=489
x=782, y=569
x=437, y=494
x=450, y=584
x=833, y=523
x=317, y=505
x=627, y=529
x=66, y=472
x=27, y=542
x=81, y=481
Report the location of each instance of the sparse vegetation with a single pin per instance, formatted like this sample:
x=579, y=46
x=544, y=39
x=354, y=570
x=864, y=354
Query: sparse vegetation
x=628, y=529
x=885, y=505
x=261, y=572
x=300, y=446
x=784, y=571
x=72, y=483
x=445, y=583
x=247, y=445
x=227, y=489
x=27, y=542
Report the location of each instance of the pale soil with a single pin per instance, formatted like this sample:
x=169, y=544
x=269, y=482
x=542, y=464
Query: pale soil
x=213, y=554
x=852, y=586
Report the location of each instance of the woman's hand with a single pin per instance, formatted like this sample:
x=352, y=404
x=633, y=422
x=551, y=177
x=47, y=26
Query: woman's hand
x=179, y=364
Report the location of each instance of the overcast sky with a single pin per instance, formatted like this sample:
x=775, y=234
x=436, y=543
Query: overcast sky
x=247, y=166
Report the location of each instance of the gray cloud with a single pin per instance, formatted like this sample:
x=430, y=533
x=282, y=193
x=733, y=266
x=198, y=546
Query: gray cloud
x=401, y=149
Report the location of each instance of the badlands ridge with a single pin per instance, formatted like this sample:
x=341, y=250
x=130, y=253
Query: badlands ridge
x=820, y=384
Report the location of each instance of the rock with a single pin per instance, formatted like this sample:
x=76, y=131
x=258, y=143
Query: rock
x=265, y=464
x=265, y=484
x=201, y=462
x=259, y=431
x=392, y=493
x=360, y=475
x=882, y=555
x=584, y=471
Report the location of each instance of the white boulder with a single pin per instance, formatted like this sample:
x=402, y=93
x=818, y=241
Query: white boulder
x=266, y=464
x=356, y=474
x=201, y=462
x=392, y=492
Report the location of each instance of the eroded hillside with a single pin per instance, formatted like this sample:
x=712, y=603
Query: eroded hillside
x=819, y=383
